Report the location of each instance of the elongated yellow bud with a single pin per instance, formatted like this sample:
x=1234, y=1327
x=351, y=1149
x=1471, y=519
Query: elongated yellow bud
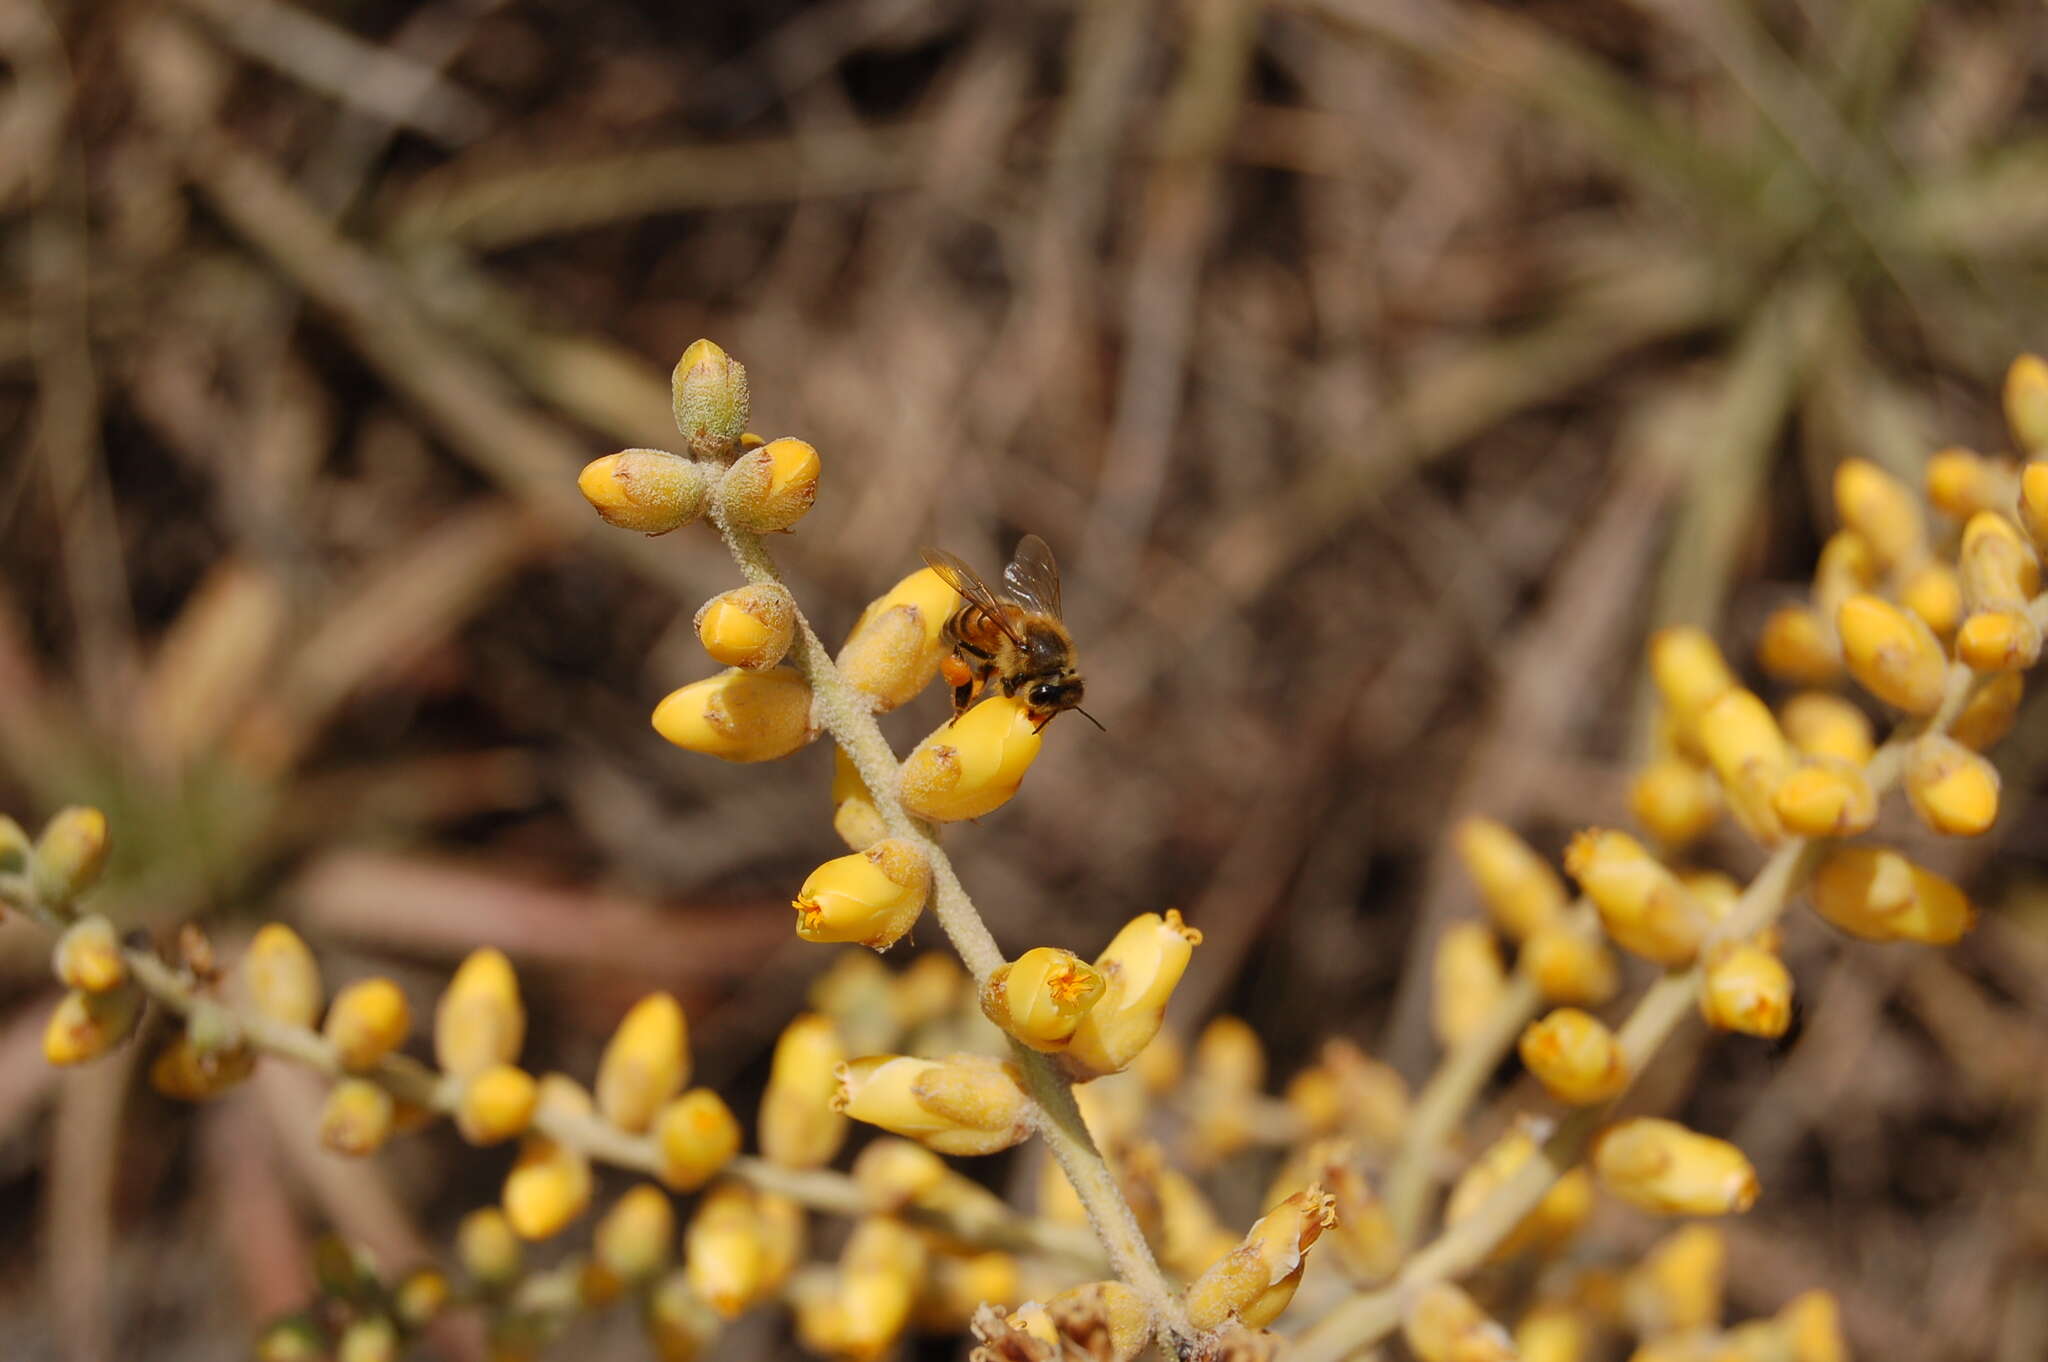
x=1848, y=566
x=1554, y=1331
x=189, y=1072
x=1466, y=981
x=1880, y=508
x=1140, y=968
x=1879, y=895
x=872, y=897
x=750, y=626
x=2026, y=404
x=1989, y=712
x=1675, y=801
x=635, y=1238
x=2033, y=505
x=1747, y=988
x=799, y=1127
x=1661, y=1166
x=739, y=716
x=974, y=764
x=1954, y=790
x=88, y=956
x=1892, y=654
x=645, y=490
x=1689, y=673
x=420, y=1296
x=479, y=1022
x=1825, y=797
x=1798, y=644
x=551, y=1183
x=1041, y=996
x=967, y=1104
x=1934, y=592
x=1254, y=1281
x=897, y=644
x=1553, y=1221
x=69, y=855
x=1824, y=725
x=1750, y=756
x=280, y=976
x=1574, y=1056
x=708, y=392
x=770, y=488
x=368, y=1021
x=487, y=1248
x=646, y=1063
x=357, y=1118
x=1641, y=903
x=854, y=815
x=1521, y=892
x=725, y=1250
x=496, y=1105
x=1678, y=1286
x=1570, y=967
x=695, y=1137
x=1961, y=482
x=1999, y=577
x=1444, y=1324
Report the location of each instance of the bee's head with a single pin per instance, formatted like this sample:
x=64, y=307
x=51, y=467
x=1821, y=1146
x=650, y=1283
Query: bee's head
x=1049, y=697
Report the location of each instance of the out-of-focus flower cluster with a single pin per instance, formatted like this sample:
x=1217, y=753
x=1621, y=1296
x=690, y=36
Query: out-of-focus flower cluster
x=1930, y=619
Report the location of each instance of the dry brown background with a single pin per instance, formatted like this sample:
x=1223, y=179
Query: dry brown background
x=1381, y=371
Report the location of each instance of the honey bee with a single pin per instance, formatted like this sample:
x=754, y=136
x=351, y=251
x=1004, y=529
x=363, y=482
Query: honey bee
x=1013, y=640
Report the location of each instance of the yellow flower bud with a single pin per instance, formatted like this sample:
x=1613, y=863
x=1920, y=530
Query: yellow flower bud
x=1879, y=895
x=2033, y=504
x=1367, y=1245
x=420, y=1296
x=896, y=645
x=1675, y=801
x=368, y=1021
x=1140, y=968
x=1824, y=725
x=281, y=978
x=1554, y=1219
x=372, y=1339
x=1751, y=757
x=1444, y=1324
x=1880, y=508
x=1520, y=890
x=1662, y=1167
x=695, y=1137
x=1954, y=790
x=1569, y=967
x=1798, y=645
x=1999, y=641
x=1254, y=1281
x=708, y=392
x=488, y=1249
x=496, y=1105
x=479, y=1022
x=2026, y=403
x=770, y=488
x=750, y=626
x=1989, y=712
x=1848, y=566
x=1041, y=996
x=1934, y=592
x=1677, y=1288
x=1689, y=673
x=1812, y=1322
x=1893, y=655
x=1641, y=903
x=1467, y=979
x=872, y=897
x=1553, y=1331
x=894, y=1174
x=1825, y=797
x=87, y=1025
x=1961, y=482
x=799, y=1127
x=1160, y=1065
x=88, y=956
x=69, y=855
x=548, y=1187
x=972, y=765
x=357, y=1118
x=1747, y=988
x=646, y=1063
x=645, y=490
x=739, y=716
x=1575, y=1057
x=680, y=1326
x=879, y=1274
x=725, y=1252
x=967, y=1104
x=635, y=1239
x=188, y=1072
x=854, y=815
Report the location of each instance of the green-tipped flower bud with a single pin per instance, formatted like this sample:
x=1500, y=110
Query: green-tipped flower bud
x=709, y=393
x=70, y=854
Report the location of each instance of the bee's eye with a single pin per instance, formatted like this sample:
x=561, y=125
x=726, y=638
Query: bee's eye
x=1044, y=693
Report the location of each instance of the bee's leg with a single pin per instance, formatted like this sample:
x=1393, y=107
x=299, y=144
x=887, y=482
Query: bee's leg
x=960, y=677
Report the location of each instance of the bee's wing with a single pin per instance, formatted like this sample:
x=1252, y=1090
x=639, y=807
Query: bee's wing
x=1033, y=577
x=965, y=580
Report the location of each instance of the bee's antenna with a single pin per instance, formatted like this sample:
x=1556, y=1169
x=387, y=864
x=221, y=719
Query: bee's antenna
x=1089, y=717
